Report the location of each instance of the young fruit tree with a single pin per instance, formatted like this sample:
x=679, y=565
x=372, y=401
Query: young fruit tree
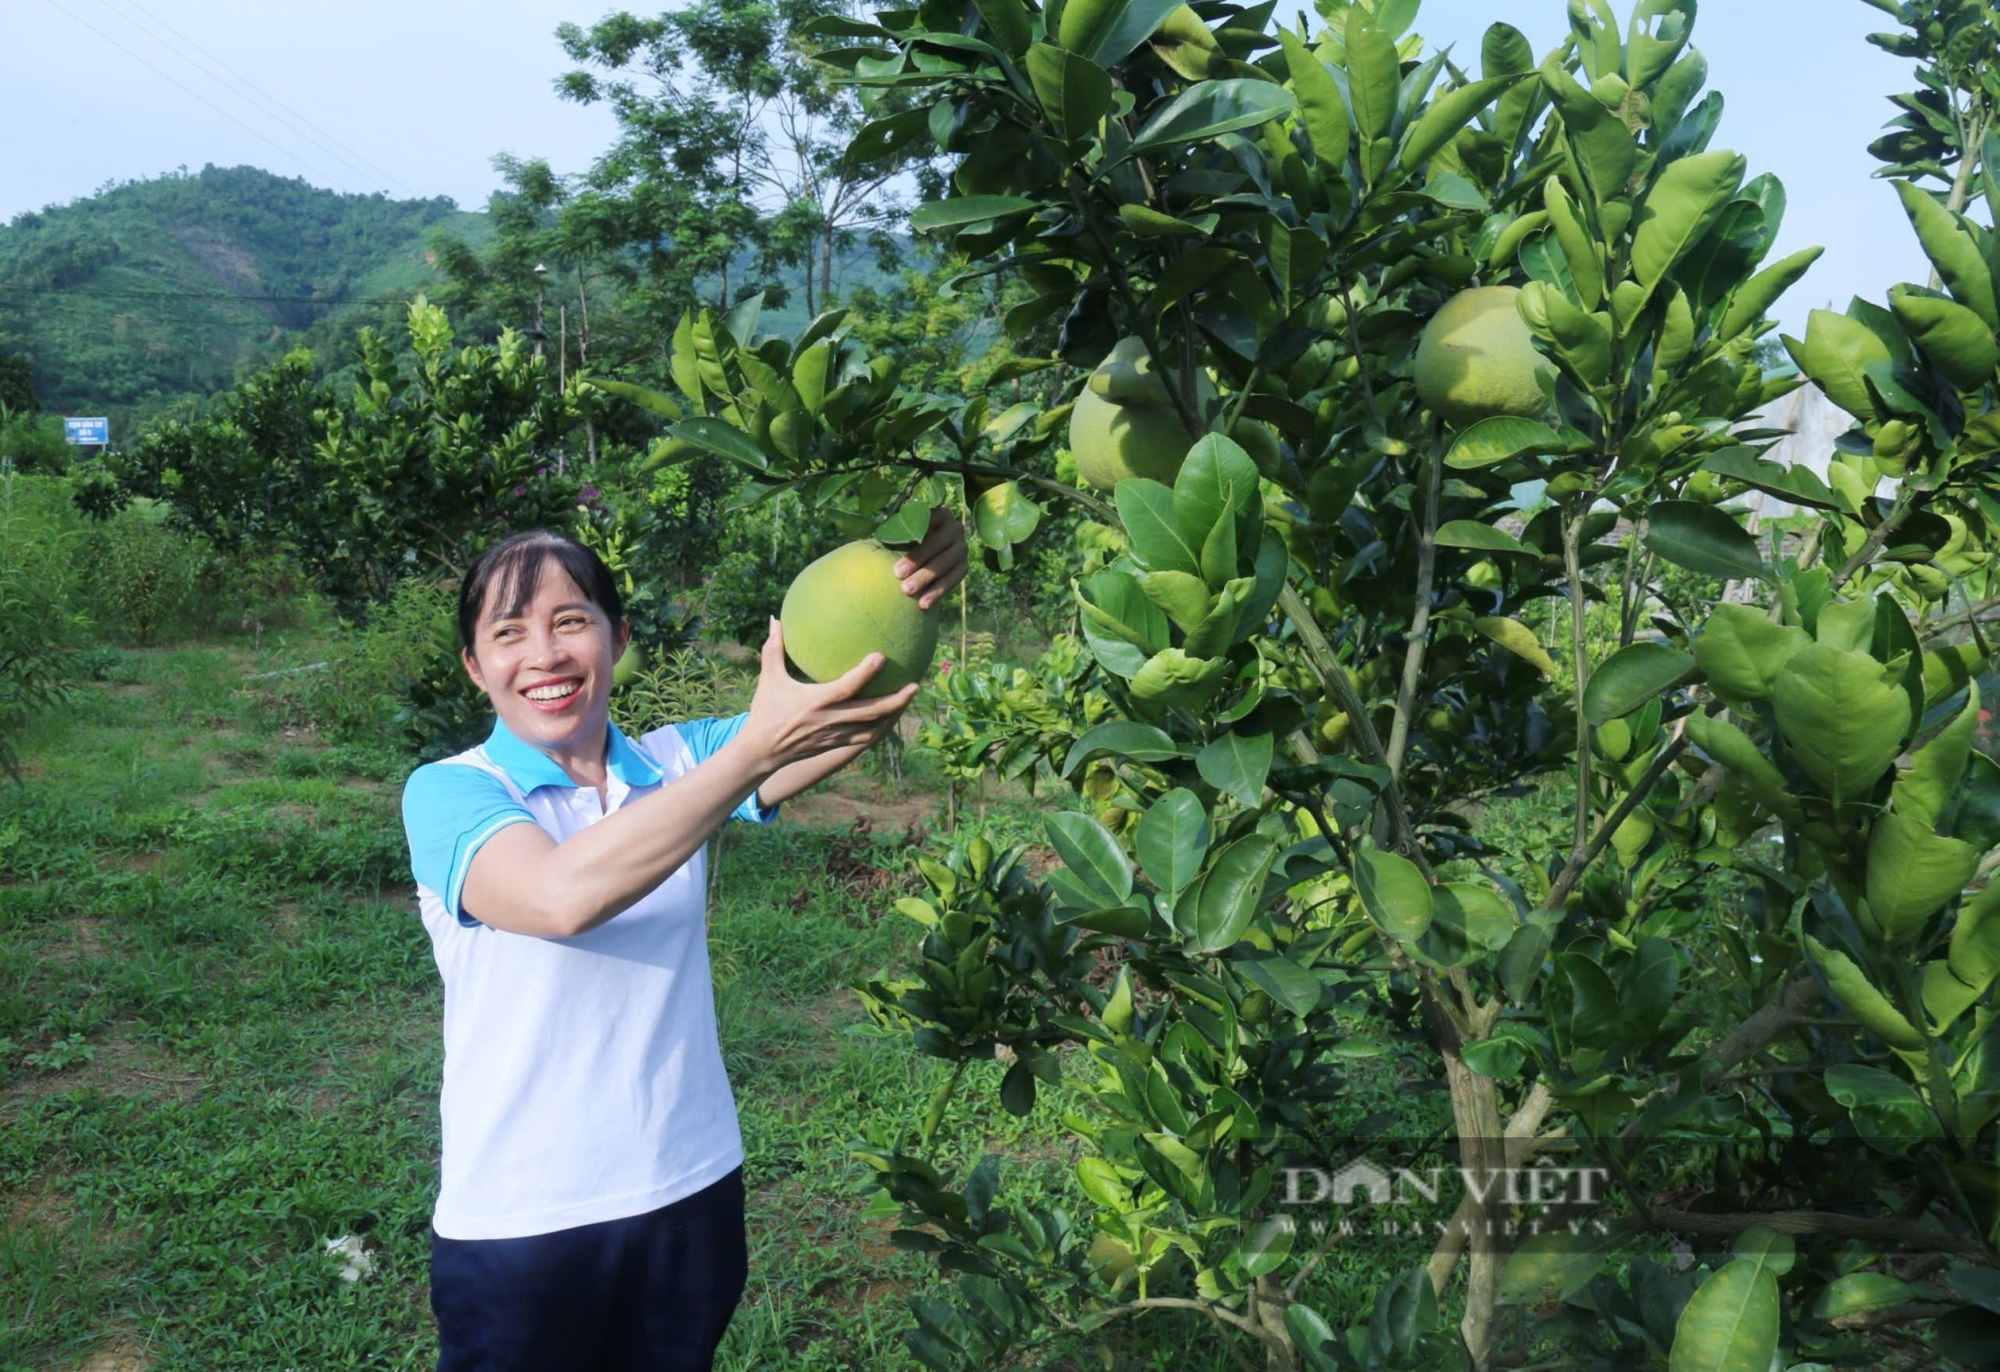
x=1415, y=392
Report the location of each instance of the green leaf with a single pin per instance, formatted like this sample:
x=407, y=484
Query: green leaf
x=1754, y=298
x=1556, y=1264
x=1122, y=921
x=1106, y=31
x=1740, y=651
x=1209, y=108
x=1172, y=839
x=909, y=524
x=1596, y=1016
x=1632, y=676
x=1680, y=209
x=1842, y=716
x=1448, y=114
x=1835, y=354
x=1217, y=478
x=1146, y=508
x=1800, y=485
x=1265, y=1248
x=1007, y=21
x=1121, y=738
x=1955, y=339
x=724, y=440
x=1730, y=1324
x=1292, y=986
x=1075, y=92
x=961, y=210
x=1937, y=768
x=1017, y=1089
x=644, y=397
x=1858, y=1292
x=1004, y=515
x=1171, y=678
x=1375, y=82
x=1703, y=538
x=1218, y=553
x=1518, y=639
x=1864, y=1000
x=1470, y=533
x=1311, y=1336
x=1501, y=439
x=1912, y=873
x=1186, y=599
x=1886, y=1111
x=1237, y=765
x=1230, y=891
x=1394, y=893
x=1321, y=107
x=1952, y=251
x=1088, y=850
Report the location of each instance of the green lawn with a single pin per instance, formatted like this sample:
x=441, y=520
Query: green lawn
x=219, y=1049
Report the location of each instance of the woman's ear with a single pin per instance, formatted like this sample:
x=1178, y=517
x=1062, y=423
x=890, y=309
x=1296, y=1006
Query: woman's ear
x=472, y=667
x=621, y=639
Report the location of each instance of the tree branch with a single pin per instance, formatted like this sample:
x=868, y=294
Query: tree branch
x=1420, y=613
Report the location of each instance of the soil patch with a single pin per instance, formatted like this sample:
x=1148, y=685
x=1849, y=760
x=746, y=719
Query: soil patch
x=119, y=1066
x=122, y=1354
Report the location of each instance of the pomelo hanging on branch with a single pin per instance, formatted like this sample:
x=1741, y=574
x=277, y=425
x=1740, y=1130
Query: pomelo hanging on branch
x=1124, y=423
x=849, y=604
x=1478, y=360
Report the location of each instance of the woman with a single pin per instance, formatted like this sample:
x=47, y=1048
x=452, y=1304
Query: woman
x=591, y=1207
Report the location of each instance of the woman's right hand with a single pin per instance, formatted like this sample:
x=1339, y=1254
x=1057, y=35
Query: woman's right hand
x=792, y=720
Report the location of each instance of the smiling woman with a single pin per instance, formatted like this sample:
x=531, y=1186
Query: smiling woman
x=590, y=1213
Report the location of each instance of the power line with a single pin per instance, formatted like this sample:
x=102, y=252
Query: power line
x=318, y=171
x=223, y=74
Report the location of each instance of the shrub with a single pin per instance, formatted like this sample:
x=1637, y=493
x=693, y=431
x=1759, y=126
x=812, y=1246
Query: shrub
x=143, y=577
x=763, y=550
x=685, y=684
x=40, y=622
x=394, y=682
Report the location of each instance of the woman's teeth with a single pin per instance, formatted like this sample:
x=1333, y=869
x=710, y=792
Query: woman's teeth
x=556, y=692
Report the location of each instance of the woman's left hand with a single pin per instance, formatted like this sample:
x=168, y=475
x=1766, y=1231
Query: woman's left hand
x=937, y=564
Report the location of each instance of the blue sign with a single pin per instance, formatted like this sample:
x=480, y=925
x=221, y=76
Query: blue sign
x=96, y=431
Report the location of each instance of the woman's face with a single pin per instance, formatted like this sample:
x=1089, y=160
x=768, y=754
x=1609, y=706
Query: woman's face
x=548, y=668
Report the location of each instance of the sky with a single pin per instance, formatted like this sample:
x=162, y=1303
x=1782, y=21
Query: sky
x=415, y=99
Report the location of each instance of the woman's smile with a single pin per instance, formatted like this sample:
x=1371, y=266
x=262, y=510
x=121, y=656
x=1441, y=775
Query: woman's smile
x=554, y=697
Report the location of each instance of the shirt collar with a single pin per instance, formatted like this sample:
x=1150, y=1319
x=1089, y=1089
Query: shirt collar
x=528, y=767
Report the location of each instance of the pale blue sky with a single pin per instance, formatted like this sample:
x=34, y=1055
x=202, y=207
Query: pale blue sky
x=415, y=97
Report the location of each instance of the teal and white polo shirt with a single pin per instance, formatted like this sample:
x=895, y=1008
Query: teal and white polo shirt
x=583, y=1079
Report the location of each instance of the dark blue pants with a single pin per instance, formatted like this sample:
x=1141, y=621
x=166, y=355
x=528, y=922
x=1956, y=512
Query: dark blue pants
x=652, y=1293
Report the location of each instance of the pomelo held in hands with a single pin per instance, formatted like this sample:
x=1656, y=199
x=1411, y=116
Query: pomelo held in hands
x=849, y=604
x=1477, y=360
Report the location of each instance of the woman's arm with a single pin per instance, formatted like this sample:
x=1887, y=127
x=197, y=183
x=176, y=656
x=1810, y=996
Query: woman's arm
x=524, y=882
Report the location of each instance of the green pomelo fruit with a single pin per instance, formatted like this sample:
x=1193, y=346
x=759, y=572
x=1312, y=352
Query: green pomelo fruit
x=1478, y=360
x=630, y=663
x=1124, y=424
x=849, y=604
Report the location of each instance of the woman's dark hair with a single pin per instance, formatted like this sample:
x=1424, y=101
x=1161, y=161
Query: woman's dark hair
x=512, y=570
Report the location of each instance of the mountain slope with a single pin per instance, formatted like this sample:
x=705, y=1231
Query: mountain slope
x=157, y=291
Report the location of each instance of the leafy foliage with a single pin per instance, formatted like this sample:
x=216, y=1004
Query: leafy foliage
x=1315, y=664
x=433, y=453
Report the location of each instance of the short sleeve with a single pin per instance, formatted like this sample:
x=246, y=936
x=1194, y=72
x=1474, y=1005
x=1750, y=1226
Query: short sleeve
x=449, y=811
x=705, y=738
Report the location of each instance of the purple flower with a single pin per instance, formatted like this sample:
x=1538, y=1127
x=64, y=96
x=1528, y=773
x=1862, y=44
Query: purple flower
x=587, y=495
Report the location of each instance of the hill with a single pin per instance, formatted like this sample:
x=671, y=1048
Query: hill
x=157, y=291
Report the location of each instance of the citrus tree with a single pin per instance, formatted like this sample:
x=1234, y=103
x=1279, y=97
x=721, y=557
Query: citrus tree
x=1332, y=307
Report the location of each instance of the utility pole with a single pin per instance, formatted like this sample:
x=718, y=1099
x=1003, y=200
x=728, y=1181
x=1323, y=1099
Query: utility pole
x=583, y=360
x=541, y=274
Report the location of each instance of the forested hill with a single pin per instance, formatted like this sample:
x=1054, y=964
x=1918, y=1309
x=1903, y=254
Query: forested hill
x=156, y=291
